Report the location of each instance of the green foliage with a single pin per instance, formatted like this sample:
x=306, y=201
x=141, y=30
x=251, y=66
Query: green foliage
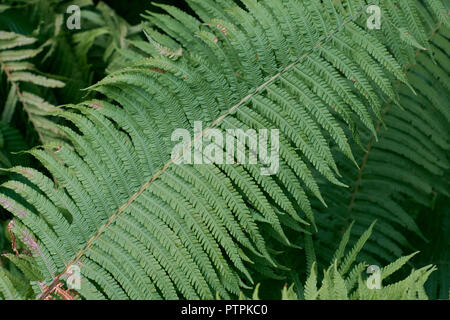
x=338, y=284
x=363, y=119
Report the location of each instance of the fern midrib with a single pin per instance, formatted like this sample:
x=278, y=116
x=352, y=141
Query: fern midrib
x=259, y=89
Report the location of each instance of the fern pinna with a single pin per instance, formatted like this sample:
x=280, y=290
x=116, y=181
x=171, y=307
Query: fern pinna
x=140, y=227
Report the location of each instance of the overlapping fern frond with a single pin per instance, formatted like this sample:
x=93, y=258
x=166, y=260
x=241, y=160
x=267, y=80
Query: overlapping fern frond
x=44, y=43
x=107, y=32
x=406, y=168
x=140, y=227
x=14, y=60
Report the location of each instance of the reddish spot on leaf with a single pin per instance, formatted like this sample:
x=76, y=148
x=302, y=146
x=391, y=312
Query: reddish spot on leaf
x=216, y=40
x=27, y=172
x=22, y=213
x=30, y=242
x=158, y=70
x=42, y=285
x=6, y=203
x=96, y=106
x=11, y=226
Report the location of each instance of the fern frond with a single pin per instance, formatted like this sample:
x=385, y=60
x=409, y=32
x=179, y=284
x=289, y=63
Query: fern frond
x=19, y=73
x=405, y=168
x=142, y=227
